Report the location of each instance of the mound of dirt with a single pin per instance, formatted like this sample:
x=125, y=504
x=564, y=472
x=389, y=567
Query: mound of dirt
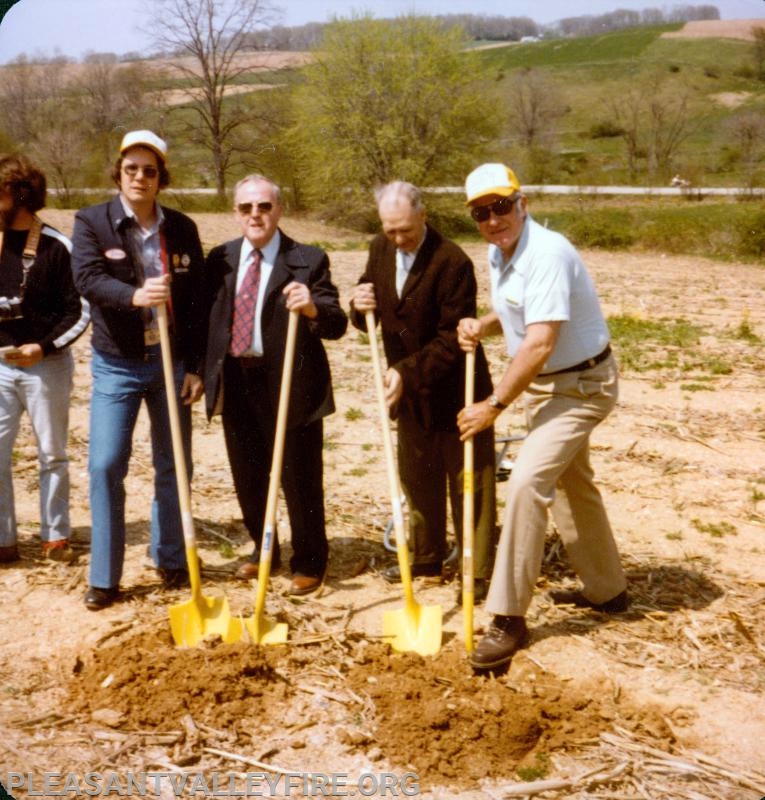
x=434, y=717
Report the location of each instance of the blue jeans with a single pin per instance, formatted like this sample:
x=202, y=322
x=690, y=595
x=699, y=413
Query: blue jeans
x=119, y=387
x=43, y=392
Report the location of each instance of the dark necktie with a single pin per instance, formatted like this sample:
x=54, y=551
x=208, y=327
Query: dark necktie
x=244, y=308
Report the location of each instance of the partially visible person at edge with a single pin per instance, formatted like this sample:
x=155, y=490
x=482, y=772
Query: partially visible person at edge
x=545, y=304
x=419, y=285
x=41, y=316
x=131, y=255
x=255, y=281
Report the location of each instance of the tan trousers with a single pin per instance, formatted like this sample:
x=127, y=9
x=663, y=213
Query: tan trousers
x=552, y=470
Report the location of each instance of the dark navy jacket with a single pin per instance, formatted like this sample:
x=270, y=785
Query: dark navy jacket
x=106, y=274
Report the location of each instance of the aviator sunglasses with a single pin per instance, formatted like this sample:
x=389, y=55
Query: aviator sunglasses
x=499, y=208
x=246, y=208
x=131, y=170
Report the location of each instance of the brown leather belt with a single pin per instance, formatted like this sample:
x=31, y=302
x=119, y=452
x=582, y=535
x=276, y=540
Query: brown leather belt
x=582, y=365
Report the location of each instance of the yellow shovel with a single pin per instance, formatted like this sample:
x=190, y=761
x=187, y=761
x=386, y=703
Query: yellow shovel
x=201, y=616
x=414, y=627
x=468, y=510
x=261, y=629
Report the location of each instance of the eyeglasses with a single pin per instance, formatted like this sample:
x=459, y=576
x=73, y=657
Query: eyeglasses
x=131, y=170
x=500, y=208
x=246, y=208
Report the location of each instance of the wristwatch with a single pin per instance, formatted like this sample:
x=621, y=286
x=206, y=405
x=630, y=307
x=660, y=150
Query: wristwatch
x=494, y=403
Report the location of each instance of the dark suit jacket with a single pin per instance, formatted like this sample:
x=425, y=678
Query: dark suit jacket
x=106, y=274
x=419, y=331
x=311, y=391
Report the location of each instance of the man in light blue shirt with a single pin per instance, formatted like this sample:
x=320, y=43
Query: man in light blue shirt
x=545, y=305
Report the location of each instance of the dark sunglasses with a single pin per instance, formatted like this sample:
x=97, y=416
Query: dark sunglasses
x=500, y=208
x=246, y=208
x=131, y=170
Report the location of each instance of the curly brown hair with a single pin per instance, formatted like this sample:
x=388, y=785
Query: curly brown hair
x=23, y=180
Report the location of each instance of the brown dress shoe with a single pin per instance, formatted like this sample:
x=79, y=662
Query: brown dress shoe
x=304, y=584
x=249, y=570
x=615, y=605
x=506, y=635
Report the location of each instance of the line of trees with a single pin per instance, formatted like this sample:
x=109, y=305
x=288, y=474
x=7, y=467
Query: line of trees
x=381, y=100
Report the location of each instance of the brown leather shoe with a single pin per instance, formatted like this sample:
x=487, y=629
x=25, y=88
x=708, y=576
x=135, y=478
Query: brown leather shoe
x=249, y=570
x=506, y=635
x=615, y=605
x=304, y=584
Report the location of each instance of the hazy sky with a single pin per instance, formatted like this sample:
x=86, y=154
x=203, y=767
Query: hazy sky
x=75, y=27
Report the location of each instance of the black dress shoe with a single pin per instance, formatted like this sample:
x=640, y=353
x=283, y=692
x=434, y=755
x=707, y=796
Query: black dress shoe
x=174, y=578
x=505, y=637
x=480, y=590
x=575, y=598
x=393, y=574
x=97, y=598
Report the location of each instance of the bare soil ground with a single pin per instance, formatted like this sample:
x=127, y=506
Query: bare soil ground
x=662, y=702
x=718, y=29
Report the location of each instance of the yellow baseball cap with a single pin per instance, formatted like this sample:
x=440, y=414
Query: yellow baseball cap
x=491, y=179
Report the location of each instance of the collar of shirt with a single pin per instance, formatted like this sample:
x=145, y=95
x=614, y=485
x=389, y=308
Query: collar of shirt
x=268, y=252
x=497, y=260
x=145, y=232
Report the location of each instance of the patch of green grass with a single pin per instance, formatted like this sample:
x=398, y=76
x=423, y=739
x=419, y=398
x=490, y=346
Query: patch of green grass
x=352, y=414
x=536, y=771
x=717, y=366
x=226, y=550
x=716, y=530
x=745, y=332
x=637, y=340
x=674, y=536
x=357, y=472
x=696, y=387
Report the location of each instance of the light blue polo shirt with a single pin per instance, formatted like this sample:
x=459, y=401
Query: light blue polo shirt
x=547, y=281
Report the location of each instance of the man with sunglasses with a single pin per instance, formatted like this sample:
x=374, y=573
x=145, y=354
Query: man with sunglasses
x=545, y=304
x=419, y=284
x=131, y=255
x=255, y=281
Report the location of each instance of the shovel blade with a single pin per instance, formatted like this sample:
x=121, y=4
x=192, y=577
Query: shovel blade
x=414, y=628
x=195, y=619
x=262, y=630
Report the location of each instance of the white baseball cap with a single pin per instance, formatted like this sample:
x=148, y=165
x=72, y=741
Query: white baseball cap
x=491, y=179
x=145, y=139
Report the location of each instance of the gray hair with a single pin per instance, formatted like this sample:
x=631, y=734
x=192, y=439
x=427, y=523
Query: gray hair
x=402, y=189
x=255, y=178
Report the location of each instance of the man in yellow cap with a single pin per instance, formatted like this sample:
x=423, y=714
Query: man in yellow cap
x=130, y=255
x=545, y=304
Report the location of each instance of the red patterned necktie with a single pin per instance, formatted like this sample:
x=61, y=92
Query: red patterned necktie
x=244, y=308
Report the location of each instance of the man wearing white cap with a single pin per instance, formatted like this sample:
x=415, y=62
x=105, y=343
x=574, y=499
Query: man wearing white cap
x=131, y=255
x=545, y=304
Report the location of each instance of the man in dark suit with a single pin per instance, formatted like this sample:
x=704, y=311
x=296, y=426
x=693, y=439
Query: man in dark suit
x=420, y=284
x=131, y=255
x=255, y=281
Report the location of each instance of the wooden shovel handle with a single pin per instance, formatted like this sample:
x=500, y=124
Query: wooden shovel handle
x=179, y=456
x=394, y=487
x=468, y=511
